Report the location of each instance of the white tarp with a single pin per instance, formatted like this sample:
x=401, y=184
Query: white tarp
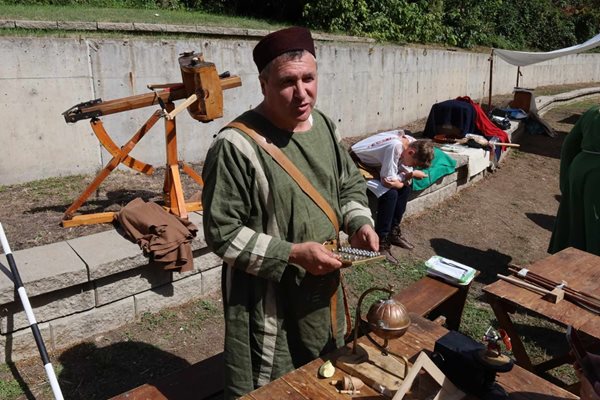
x=523, y=58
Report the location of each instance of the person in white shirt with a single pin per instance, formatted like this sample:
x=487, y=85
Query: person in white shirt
x=391, y=157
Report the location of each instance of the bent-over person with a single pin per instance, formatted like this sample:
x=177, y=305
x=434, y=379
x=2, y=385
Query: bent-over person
x=282, y=295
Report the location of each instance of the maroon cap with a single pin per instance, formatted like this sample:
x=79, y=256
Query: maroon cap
x=279, y=42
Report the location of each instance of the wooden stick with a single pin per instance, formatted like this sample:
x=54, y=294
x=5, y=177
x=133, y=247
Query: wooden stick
x=533, y=277
x=524, y=285
x=182, y=106
x=590, y=302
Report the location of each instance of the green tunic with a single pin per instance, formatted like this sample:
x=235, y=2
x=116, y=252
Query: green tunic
x=277, y=317
x=578, y=219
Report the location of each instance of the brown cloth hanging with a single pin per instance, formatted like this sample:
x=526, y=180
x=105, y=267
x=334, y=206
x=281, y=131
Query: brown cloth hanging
x=164, y=237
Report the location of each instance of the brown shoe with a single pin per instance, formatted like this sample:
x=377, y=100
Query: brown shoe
x=384, y=244
x=397, y=239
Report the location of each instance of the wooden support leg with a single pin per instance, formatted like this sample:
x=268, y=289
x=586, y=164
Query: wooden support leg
x=115, y=151
x=453, y=308
x=112, y=164
x=178, y=205
x=506, y=324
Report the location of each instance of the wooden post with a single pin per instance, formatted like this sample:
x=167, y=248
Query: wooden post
x=491, y=60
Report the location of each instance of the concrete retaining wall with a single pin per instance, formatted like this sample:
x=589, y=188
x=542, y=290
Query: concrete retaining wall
x=365, y=87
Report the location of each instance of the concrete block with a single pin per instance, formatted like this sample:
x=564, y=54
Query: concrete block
x=21, y=345
x=115, y=26
x=144, y=27
x=257, y=33
x=422, y=203
x=211, y=281
x=44, y=269
x=38, y=77
x=7, y=24
x=211, y=30
x=47, y=307
x=75, y=328
x=180, y=28
x=36, y=24
x=204, y=259
x=170, y=295
x=78, y=25
x=129, y=283
x=443, y=181
x=235, y=31
x=108, y=253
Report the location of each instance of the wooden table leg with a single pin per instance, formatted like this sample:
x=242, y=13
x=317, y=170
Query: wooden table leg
x=506, y=323
x=453, y=308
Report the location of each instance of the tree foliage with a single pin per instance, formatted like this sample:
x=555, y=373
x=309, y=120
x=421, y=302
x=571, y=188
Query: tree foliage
x=512, y=24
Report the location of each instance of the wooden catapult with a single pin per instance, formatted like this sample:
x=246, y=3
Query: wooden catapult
x=202, y=89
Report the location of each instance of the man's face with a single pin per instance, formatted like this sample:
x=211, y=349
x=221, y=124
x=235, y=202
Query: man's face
x=290, y=91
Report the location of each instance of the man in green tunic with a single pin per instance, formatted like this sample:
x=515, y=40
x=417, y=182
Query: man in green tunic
x=578, y=219
x=281, y=287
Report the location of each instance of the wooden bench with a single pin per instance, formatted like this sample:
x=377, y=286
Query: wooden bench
x=428, y=297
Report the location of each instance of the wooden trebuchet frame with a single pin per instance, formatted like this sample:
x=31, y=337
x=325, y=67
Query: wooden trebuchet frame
x=202, y=88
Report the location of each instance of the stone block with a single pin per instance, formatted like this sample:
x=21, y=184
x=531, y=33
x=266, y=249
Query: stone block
x=180, y=28
x=21, y=345
x=36, y=24
x=129, y=283
x=115, y=26
x=235, y=31
x=44, y=269
x=47, y=307
x=108, y=253
x=170, y=295
x=211, y=281
x=78, y=25
x=144, y=27
x=204, y=260
x=422, y=203
x=211, y=30
x=4, y=23
x=76, y=328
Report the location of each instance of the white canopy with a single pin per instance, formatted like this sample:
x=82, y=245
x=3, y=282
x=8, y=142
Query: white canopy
x=523, y=58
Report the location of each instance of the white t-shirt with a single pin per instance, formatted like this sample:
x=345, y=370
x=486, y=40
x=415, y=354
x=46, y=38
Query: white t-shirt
x=383, y=151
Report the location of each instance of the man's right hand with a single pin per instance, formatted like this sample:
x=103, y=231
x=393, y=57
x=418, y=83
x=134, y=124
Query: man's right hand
x=314, y=258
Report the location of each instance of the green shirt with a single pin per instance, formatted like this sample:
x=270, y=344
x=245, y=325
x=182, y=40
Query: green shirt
x=277, y=316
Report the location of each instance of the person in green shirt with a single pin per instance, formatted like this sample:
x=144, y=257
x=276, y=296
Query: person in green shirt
x=578, y=219
x=282, y=294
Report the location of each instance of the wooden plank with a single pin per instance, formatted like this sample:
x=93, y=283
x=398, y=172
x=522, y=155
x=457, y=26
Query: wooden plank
x=372, y=367
x=425, y=295
x=278, y=389
x=89, y=219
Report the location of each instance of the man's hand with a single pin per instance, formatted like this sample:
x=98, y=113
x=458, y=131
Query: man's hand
x=314, y=258
x=365, y=238
x=417, y=174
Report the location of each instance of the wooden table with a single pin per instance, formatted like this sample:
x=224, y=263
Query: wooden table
x=581, y=271
x=303, y=383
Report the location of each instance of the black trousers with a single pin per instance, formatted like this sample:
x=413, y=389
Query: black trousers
x=390, y=209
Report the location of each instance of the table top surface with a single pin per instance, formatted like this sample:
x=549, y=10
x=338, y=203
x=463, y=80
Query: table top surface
x=581, y=271
x=304, y=383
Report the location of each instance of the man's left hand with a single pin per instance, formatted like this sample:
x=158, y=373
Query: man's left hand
x=365, y=238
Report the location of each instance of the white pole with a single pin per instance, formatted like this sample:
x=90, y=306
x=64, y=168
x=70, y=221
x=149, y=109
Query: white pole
x=30, y=317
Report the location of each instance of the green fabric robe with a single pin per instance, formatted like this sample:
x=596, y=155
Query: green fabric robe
x=277, y=317
x=578, y=219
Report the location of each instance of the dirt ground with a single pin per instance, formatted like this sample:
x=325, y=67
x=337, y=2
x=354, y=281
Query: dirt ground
x=505, y=218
